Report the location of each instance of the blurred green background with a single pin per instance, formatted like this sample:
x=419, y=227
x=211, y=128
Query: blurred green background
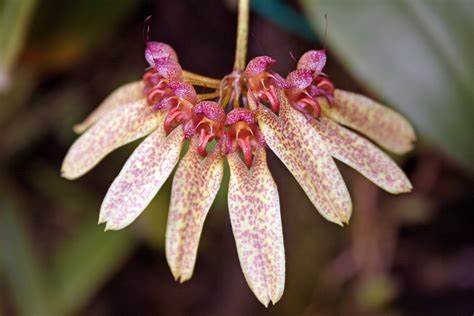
x=401, y=255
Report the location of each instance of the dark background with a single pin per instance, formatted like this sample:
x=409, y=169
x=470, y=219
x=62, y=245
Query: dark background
x=411, y=254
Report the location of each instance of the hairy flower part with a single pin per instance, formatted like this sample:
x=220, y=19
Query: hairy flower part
x=243, y=135
x=313, y=60
x=297, y=118
x=156, y=50
x=262, y=83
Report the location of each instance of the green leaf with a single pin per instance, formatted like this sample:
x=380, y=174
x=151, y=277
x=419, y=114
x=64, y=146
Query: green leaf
x=283, y=15
x=415, y=54
x=85, y=263
x=14, y=19
x=20, y=264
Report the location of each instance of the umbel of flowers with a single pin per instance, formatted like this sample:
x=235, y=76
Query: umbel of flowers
x=302, y=118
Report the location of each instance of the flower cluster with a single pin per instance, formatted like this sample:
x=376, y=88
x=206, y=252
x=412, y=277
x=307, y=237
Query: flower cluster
x=300, y=118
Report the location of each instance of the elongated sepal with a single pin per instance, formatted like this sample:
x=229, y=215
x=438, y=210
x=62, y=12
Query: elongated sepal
x=195, y=185
x=294, y=140
x=254, y=209
x=117, y=128
x=381, y=124
x=363, y=156
x=141, y=178
x=130, y=92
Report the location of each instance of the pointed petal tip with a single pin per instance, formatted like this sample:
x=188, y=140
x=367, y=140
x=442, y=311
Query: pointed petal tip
x=179, y=277
x=79, y=128
x=265, y=300
x=67, y=174
x=111, y=226
x=406, y=188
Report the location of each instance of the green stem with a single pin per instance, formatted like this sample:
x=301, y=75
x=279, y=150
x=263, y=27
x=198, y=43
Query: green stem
x=242, y=35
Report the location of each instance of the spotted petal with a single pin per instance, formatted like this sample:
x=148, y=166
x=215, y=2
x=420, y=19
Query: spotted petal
x=124, y=94
x=195, y=185
x=363, y=156
x=292, y=138
x=254, y=209
x=119, y=127
x=141, y=178
x=383, y=125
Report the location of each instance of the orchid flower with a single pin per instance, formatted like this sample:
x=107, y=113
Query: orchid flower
x=301, y=118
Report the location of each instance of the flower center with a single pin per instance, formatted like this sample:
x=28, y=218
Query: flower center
x=305, y=99
x=207, y=123
x=242, y=134
x=264, y=90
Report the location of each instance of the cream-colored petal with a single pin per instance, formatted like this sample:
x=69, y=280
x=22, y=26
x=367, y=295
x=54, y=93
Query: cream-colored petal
x=117, y=128
x=254, y=209
x=292, y=138
x=129, y=92
x=141, y=178
x=381, y=124
x=363, y=156
x=195, y=185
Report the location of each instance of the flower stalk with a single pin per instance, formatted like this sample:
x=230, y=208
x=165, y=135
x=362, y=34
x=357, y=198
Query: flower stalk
x=242, y=35
x=200, y=80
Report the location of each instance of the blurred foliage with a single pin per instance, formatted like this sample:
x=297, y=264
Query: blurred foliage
x=415, y=54
x=20, y=263
x=14, y=20
x=277, y=11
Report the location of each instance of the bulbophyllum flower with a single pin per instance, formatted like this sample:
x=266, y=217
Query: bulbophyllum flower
x=299, y=118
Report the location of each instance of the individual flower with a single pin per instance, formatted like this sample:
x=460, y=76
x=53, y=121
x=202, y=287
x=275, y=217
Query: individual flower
x=299, y=118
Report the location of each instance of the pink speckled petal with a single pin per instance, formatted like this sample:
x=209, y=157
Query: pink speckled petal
x=292, y=138
x=363, y=156
x=195, y=185
x=313, y=60
x=118, y=127
x=124, y=94
x=258, y=65
x=299, y=79
x=254, y=209
x=383, y=125
x=157, y=50
x=141, y=178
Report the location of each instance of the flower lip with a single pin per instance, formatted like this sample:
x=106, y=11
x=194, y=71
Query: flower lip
x=168, y=68
x=243, y=134
x=300, y=79
x=259, y=65
x=156, y=50
x=240, y=114
x=313, y=60
x=207, y=123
